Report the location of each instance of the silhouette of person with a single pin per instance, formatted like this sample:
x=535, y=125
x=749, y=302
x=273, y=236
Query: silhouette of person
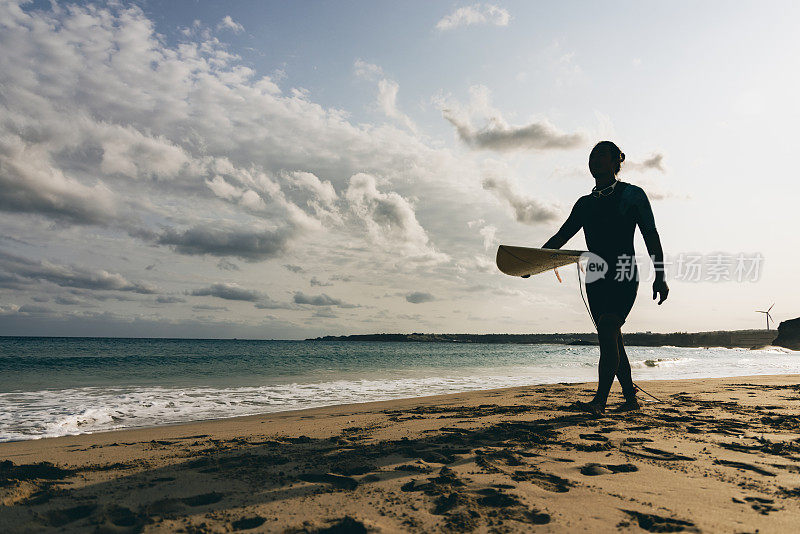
x=609, y=215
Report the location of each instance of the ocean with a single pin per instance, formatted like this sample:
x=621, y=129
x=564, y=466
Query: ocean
x=65, y=386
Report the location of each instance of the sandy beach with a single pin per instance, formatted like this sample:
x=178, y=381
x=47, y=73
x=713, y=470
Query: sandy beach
x=718, y=455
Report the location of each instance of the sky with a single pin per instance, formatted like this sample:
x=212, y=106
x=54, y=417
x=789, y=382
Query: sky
x=285, y=170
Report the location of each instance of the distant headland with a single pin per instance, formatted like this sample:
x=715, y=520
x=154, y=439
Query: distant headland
x=717, y=338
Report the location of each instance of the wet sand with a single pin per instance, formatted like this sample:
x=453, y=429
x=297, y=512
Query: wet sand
x=719, y=455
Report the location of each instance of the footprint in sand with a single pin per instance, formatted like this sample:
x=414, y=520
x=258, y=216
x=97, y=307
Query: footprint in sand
x=123, y=518
x=246, y=523
x=593, y=469
x=58, y=518
x=594, y=437
x=651, y=453
x=203, y=499
x=339, y=481
x=544, y=480
x=657, y=523
x=745, y=466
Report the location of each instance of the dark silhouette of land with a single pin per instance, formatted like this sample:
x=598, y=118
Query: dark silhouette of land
x=717, y=338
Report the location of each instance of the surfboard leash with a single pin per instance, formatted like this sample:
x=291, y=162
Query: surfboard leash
x=580, y=286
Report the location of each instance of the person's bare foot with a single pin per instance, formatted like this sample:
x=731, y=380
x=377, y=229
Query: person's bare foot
x=628, y=406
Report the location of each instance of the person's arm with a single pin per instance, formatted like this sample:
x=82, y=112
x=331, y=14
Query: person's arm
x=567, y=230
x=653, y=243
x=647, y=226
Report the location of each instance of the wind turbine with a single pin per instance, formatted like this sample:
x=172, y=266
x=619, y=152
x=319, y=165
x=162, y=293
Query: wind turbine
x=767, y=315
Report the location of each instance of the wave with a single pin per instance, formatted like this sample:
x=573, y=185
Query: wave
x=51, y=413
x=68, y=408
x=660, y=362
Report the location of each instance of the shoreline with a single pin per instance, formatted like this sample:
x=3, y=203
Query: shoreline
x=722, y=455
x=353, y=404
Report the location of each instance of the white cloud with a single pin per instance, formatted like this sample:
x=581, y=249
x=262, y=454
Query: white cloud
x=561, y=64
x=653, y=162
x=387, y=100
x=498, y=134
x=389, y=218
x=367, y=71
x=474, y=15
x=106, y=125
x=387, y=92
x=489, y=234
x=526, y=209
x=179, y=155
x=17, y=272
x=227, y=23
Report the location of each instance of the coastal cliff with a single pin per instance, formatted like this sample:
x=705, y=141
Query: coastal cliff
x=789, y=334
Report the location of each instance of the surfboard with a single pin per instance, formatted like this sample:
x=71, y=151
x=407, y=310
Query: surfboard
x=523, y=261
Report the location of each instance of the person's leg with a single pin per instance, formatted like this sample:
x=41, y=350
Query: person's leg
x=624, y=374
x=608, y=333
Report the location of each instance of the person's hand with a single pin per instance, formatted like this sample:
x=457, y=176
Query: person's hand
x=660, y=288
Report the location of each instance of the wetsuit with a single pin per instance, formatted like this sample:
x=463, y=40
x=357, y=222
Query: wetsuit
x=608, y=224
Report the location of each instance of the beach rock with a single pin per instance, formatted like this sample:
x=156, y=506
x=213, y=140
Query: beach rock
x=789, y=334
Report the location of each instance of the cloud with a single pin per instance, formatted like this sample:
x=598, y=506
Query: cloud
x=474, y=15
x=418, y=297
x=315, y=282
x=130, y=132
x=228, y=292
x=33, y=309
x=389, y=218
x=387, y=101
x=244, y=243
x=366, y=70
x=319, y=300
x=526, y=209
x=209, y=307
x=294, y=268
x=325, y=313
x=476, y=264
x=489, y=234
x=29, y=184
x=501, y=137
x=169, y=299
x=498, y=134
x=322, y=191
x=24, y=271
x=67, y=300
x=225, y=265
x=227, y=23
x=387, y=92
x=561, y=63
x=654, y=162
x=172, y=151
x=269, y=304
